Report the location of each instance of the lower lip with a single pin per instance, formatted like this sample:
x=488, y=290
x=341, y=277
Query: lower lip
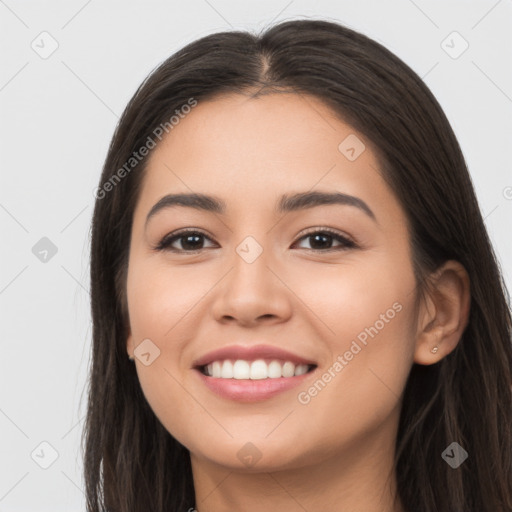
x=247, y=390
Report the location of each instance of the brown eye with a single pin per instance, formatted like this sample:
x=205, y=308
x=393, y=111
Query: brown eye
x=190, y=241
x=321, y=240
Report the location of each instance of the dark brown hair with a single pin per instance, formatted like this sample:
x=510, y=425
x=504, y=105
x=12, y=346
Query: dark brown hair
x=131, y=463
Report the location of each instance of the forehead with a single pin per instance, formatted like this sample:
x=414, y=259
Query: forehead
x=236, y=127
x=248, y=149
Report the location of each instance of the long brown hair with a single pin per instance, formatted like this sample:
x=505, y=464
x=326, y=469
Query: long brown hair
x=131, y=463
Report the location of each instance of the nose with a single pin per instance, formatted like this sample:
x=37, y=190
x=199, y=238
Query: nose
x=252, y=293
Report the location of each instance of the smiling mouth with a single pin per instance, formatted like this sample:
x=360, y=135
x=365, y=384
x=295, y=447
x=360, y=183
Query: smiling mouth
x=259, y=369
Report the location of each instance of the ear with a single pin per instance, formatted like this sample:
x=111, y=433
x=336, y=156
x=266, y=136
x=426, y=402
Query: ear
x=443, y=314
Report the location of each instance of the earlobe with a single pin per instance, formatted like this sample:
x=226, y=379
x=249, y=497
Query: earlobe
x=444, y=314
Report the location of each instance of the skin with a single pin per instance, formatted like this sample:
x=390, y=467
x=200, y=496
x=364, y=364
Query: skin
x=336, y=451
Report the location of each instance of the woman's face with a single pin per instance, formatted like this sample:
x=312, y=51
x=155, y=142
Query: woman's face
x=263, y=271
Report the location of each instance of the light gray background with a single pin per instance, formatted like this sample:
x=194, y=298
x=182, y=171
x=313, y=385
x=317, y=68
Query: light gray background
x=57, y=117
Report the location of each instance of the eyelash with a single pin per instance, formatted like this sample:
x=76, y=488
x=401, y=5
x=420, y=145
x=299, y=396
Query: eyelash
x=165, y=243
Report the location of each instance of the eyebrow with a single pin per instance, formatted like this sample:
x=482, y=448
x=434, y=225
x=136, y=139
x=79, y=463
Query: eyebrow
x=287, y=203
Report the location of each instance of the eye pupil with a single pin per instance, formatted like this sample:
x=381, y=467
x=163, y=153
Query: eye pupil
x=192, y=246
x=316, y=237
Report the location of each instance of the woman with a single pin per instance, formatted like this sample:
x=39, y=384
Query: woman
x=295, y=302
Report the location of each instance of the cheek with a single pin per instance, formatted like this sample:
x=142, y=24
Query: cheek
x=359, y=392
x=371, y=314
x=162, y=305
x=363, y=298
x=159, y=299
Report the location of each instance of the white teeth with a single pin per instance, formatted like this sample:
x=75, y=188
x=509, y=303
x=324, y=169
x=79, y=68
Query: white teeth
x=254, y=370
x=241, y=370
x=259, y=370
x=301, y=369
x=288, y=369
x=227, y=370
x=275, y=370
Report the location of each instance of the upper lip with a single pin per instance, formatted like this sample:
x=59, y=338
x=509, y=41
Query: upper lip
x=249, y=353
